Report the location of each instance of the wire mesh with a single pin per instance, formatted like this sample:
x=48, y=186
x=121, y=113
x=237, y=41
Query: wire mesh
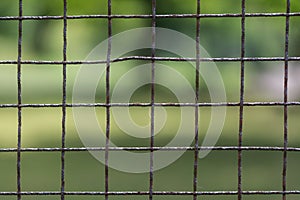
x=152, y=193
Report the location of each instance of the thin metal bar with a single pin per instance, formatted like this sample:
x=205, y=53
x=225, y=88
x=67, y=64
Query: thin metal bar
x=64, y=97
x=109, y=24
x=286, y=66
x=241, y=113
x=153, y=45
x=157, y=193
x=203, y=15
x=175, y=59
x=197, y=76
x=213, y=148
x=138, y=104
x=19, y=79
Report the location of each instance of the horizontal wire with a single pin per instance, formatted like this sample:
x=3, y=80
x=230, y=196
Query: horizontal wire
x=258, y=192
x=214, y=148
x=149, y=58
x=77, y=149
x=149, y=16
x=169, y=104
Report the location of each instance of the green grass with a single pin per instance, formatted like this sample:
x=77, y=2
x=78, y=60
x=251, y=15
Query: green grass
x=218, y=171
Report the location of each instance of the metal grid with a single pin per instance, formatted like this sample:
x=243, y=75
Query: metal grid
x=241, y=104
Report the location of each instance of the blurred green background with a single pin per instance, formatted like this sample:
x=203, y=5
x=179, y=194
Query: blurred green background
x=263, y=126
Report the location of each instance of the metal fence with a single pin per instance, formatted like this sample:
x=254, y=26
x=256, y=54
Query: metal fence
x=194, y=192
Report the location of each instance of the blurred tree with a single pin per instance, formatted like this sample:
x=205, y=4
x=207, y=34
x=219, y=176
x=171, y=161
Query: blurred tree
x=219, y=36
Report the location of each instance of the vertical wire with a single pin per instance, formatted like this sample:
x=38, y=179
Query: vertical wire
x=286, y=65
x=19, y=79
x=197, y=75
x=64, y=96
x=152, y=98
x=241, y=112
x=108, y=97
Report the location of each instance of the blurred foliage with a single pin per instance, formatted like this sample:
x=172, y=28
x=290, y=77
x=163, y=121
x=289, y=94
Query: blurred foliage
x=221, y=37
x=42, y=39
